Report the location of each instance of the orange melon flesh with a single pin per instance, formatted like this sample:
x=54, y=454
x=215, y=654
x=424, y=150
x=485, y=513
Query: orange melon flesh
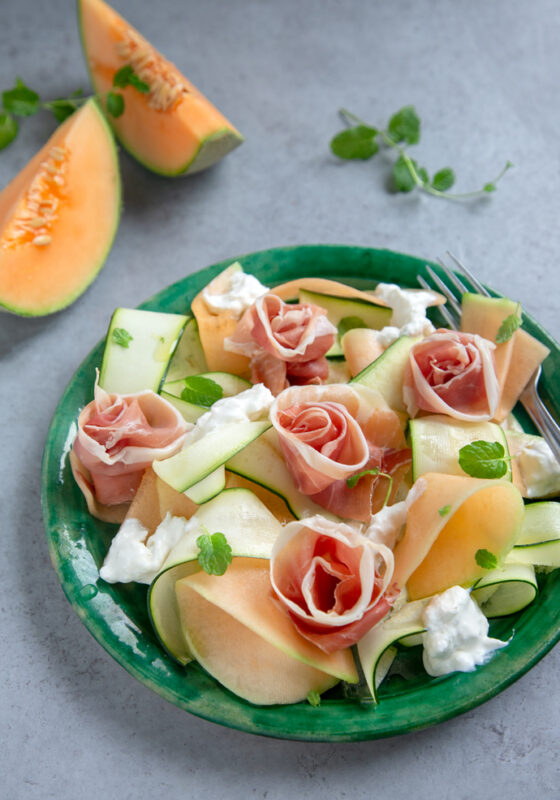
x=58, y=217
x=173, y=129
x=438, y=551
x=244, y=593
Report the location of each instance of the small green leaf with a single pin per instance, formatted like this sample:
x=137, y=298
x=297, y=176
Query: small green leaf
x=489, y=187
x=314, y=698
x=444, y=510
x=61, y=108
x=404, y=180
x=21, y=100
x=122, y=76
x=122, y=337
x=138, y=84
x=404, y=126
x=358, y=142
x=422, y=173
x=508, y=327
x=115, y=104
x=201, y=391
x=485, y=559
x=215, y=553
x=8, y=129
x=482, y=459
x=444, y=179
x=353, y=480
x=348, y=324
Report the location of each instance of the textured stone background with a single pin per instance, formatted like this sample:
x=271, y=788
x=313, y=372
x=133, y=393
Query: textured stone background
x=484, y=78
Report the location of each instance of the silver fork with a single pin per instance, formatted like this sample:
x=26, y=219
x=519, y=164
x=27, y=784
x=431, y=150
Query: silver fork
x=545, y=423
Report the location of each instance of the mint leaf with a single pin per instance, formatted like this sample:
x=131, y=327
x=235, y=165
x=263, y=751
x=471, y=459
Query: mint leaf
x=444, y=179
x=404, y=126
x=201, y=391
x=8, y=129
x=357, y=142
x=115, y=104
x=138, y=84
x=126, y=76
x=444, y=510
x=508, y=327
x=314, y=698
x=21, y=100
x=486, y=559
x=121, y=337
x=489, y=187
x=348, y=324
x=403, y=177
x=421, y=172
x=215, y=553
x=61, y=108
x=483, y=459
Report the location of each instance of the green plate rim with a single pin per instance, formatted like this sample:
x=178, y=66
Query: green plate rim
x=77, y=542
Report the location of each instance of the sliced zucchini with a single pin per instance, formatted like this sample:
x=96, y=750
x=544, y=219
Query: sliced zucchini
x=189, y=411
x=208, y=487
x=250, y=530
x=436, y=440
x=507, y=590
x=539, y=540
x=188, y=358
x=386, y=373
x=196, y=461
x=138, y=348
x=339, y=308
x=261, y=462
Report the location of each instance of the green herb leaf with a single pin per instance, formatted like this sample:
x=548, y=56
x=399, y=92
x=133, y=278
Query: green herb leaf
x=61, y=108
x=8, y=129
x=403, y=177
x=122, y=337
x=314, y=698
x=126, y=76
x=489, y=187
x=215, y=553
x=508, y=327
x=404, y=126
x=444, y=510
x=138, y=84
x=482, y=459
x=444, y=179
x=201, y=391
x=353, y=480
x=422, y=173
x=115, y=104
x=486, y=559
x=21, y=100
x=357, y=142
x=348, y=324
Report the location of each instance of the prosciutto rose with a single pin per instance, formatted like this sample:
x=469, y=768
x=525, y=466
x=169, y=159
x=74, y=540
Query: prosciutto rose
x=286, y=343
x=330, y=433
x=118, y=437
x=452, y=373
x=334, y=583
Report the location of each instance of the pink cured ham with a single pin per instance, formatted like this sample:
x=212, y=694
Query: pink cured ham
x=286, y=343
x=452, y=373
x=333, y=582
x=329, y=433
x=118, y=437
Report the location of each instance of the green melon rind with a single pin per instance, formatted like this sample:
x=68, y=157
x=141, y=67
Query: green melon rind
x=211, y=149
x=69, y=299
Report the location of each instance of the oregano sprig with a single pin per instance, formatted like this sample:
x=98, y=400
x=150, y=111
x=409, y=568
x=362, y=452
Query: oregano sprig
x=21, y=101
x=362, y=141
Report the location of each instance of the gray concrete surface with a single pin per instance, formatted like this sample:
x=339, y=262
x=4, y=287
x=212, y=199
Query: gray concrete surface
x=484, y=78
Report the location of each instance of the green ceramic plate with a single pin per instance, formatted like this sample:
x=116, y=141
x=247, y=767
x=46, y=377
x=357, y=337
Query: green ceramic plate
x=116, y=614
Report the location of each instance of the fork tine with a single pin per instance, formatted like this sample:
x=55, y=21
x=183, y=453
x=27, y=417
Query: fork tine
x=445, y=290
x=445, y=313
x=466, y=271
x=455, y=280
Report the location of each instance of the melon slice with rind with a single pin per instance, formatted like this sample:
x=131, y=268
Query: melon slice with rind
x=172, y=129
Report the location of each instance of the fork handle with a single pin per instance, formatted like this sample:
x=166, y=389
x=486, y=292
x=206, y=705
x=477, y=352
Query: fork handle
x=547, y=426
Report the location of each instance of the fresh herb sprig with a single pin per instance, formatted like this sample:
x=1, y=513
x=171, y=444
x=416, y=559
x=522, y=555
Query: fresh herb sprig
x=215, y=553
x=482, y=459
x=509, y=325
x=363, y=141
x=201, y=391
x=122, y=337
x=21, y=101
x=486, y=559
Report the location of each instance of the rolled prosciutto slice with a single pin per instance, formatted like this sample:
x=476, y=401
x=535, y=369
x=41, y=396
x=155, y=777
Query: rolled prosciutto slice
x=452, y=373
x=286, y=343
x=330, y=433
x=118, y=437
x=334, y=583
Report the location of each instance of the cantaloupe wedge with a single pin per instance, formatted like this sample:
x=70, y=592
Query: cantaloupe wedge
x=236, y=631
x=451, y=520
x=173, y=129
x=59, y=216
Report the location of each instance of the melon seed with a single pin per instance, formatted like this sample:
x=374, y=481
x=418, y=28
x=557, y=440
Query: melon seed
x=42, y=240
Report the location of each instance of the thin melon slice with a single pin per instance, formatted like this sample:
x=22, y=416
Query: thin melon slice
x=244, y=593
x=451, y=520
x=173, y=129
x=59, y=216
